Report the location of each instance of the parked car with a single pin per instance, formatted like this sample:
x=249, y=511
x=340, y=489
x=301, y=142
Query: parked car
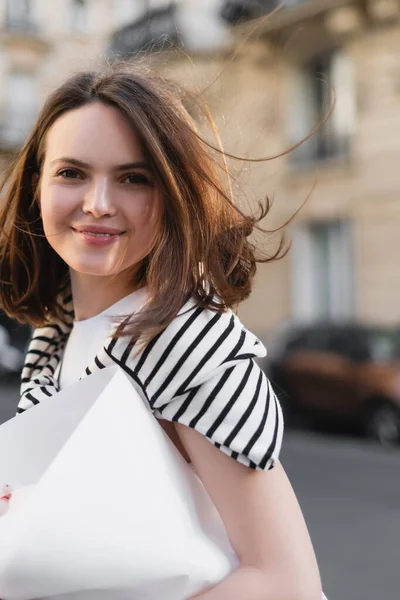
x=349, y=372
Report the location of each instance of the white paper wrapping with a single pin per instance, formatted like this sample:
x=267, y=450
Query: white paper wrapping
x=113, y=511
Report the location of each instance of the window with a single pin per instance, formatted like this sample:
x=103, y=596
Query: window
x=19, y=108
x=322, y=271
x=20, y=15
x=78, y=21
x=310, y=98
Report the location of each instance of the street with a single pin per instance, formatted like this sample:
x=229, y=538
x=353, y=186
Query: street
x=349, y=490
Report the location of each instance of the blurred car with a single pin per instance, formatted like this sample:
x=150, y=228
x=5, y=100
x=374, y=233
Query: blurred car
x=13, y=342
x=348, y=372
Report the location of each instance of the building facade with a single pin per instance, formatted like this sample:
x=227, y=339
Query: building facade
x=41, y=43
x=343, y=263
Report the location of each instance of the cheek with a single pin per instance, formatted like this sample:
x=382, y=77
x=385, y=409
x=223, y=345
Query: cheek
x=146, y=225
x=146, y=213
x=49, y=213
x=54, y=207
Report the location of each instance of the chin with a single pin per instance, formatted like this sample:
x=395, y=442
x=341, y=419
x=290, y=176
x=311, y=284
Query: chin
x=93, y=270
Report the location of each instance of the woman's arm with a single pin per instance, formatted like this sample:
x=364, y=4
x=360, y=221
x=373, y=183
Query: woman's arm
x=265, y=526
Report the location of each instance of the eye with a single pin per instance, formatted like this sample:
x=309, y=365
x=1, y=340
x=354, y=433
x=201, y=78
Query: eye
x=136, y=179
x=68, y=174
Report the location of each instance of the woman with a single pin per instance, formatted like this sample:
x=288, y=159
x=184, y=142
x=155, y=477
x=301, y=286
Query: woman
x=121, y=246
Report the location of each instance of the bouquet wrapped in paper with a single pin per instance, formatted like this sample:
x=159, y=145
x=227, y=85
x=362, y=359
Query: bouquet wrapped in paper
x=101, y=505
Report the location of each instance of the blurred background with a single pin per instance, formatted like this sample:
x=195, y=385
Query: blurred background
x=329, y=312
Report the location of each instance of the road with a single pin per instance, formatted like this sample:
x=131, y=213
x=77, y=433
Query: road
x=349, y=490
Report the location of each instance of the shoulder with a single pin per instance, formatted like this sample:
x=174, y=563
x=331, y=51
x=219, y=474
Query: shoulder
x=214, y=385
x=196, y=328
x=195, y=344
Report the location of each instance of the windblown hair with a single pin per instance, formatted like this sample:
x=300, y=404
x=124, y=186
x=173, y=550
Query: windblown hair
x=203, y=249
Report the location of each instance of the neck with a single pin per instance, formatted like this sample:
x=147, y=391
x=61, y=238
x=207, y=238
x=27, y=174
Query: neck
x=93, y=294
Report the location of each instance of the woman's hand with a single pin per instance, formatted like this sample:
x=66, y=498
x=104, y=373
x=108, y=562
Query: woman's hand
x=265, y=526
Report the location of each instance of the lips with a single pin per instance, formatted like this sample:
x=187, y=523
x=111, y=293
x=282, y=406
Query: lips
x=97, y=230
x=97, y=236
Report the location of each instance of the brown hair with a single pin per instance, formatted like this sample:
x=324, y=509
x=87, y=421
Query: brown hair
x=203, y=250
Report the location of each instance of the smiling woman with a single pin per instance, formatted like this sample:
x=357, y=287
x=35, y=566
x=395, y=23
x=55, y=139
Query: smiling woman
x=121, y=245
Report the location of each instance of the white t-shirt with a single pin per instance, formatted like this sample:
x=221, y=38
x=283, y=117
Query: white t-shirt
x=88, y=336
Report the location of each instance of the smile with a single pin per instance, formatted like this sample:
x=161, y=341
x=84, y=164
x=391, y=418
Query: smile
x=98, y=234
x=97, y=237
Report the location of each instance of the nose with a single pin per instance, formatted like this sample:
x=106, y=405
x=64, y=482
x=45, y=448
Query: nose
x=98, y=201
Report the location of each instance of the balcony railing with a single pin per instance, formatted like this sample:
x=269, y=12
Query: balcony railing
x=156, y=29
x=239, y=11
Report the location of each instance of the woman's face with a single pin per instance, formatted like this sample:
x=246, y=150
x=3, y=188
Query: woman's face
x=100, y=208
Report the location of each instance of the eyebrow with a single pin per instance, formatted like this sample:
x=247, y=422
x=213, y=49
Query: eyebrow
x=85, y=165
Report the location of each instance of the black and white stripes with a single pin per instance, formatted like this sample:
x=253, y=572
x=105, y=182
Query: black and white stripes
x=200, y=371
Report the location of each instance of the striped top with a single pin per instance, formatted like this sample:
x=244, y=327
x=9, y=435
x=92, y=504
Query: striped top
x=199, y=371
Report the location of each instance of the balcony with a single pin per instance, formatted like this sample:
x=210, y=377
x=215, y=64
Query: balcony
x=155, y=30
x=292, y=13
x=159, y=28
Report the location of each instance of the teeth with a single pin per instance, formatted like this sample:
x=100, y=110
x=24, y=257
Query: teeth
x=97, y=234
